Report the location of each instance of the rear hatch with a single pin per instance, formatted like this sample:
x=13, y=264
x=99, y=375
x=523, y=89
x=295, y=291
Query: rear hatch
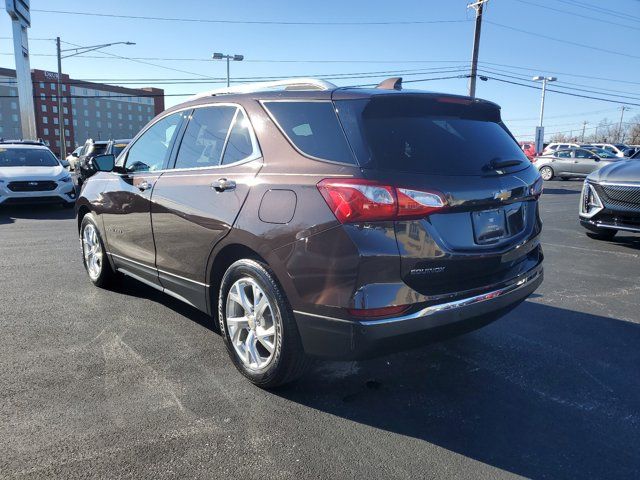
x=458, y=148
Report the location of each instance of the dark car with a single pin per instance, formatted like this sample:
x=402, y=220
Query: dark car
x=573, y=162
x=85, y=167
x=610, y=200
x=319, y=221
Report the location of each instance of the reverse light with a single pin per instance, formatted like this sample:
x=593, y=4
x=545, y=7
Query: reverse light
x=358, y=200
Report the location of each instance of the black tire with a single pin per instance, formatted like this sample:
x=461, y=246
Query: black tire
x=289, y=360
x=107, y=277
x=603, y=234
x=547, y=172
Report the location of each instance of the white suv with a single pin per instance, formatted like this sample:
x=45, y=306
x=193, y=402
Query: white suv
x=30, y=173
x=618, y=149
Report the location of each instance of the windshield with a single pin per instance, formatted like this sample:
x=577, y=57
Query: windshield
x=98, y=149
x=27, y=157
x=602, y=153
x=437, y=136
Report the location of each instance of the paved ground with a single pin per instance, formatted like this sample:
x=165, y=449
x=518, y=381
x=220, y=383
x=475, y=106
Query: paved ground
x=134, y=384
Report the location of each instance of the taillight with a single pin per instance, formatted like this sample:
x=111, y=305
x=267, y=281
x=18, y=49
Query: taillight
x=357, y=200
x=381, y=312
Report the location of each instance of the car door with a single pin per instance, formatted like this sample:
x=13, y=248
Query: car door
x=127, y=200
x=196, y=203
x=583, y=162
x=562, y=162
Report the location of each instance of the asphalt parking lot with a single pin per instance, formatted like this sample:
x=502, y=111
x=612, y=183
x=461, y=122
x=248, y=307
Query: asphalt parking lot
x=131, y=383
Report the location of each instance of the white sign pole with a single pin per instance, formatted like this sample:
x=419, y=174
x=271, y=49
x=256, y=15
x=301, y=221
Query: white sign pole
x=18, y=10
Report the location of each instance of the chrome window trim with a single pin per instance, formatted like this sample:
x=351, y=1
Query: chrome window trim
x=257, y=151
x=292, y=143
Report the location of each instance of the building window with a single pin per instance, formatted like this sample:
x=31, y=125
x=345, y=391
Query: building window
x=65, y=110
x=56, y=131
x=73, y=101
x=119, y=106
x=85, y=101
x=97, y=103
x=14, y=105
x=66, y=132
x=119, y=116
x=64, y=99
x=46, y=131
x=86, y=123
x=108, y=124
x=57, y=143
x=43, y=96
x=73, y=111
x=68, y=143
x=55, y=109
x=148, y=109
x=14, y=117
x=66, y=121
x=54, y=98
x=45, y=120
x=53, y=86
x=139, y=118
x=86, y=112
x=75, y=122
x=130, y=117
x=108, y=104
x=108, y=114
x=64, y=87
x=129, y=107
x=99, y=124
x=55, y=120
x=41, y=84
x=139, y=108
x=98, y=113
x=44, y=108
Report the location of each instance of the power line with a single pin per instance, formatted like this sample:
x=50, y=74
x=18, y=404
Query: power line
x=593, y=112
x=569, y=42
x=573, y=14
x=601, y=10
x=245, y=22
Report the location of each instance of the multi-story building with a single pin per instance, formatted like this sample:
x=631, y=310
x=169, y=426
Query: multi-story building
x=90, y=110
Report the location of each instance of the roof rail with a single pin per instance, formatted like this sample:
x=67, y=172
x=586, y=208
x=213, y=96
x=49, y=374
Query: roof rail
x=286, y=84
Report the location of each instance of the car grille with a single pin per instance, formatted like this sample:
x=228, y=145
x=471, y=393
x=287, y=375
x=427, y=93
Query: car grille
x=620, y=197
x=32, y=186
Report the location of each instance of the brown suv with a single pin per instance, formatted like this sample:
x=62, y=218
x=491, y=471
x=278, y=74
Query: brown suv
x=321, y=221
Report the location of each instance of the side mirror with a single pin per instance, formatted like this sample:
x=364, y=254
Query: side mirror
x=104, y=163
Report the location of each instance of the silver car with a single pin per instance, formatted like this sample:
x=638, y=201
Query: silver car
x=573, y=162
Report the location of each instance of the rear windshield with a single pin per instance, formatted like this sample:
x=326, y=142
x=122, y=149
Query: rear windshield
x=26, y=157
x=426, y=135
x=98, y=149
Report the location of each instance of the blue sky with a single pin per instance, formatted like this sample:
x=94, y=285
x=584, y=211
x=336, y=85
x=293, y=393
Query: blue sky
x=292, y=50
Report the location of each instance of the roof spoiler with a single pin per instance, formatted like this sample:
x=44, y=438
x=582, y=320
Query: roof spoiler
x=393, y=83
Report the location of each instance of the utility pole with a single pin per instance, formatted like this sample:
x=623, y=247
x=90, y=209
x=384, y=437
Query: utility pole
x=478, y=6
x=540, y=128
x=584, y=126
x=235, y=58
x=18, y=10
x=63, y=143
x=622, y=109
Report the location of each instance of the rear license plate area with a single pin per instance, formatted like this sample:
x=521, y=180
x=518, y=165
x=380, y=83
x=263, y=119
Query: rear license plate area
x=489, y=226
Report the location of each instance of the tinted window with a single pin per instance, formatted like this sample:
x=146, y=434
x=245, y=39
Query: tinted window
x=425, y=135
x=313, y=128
x=117, y=148
x=564, y=154
x=239, y=144
x=203, y=141
x=153, y=146
x=98, y=149
x=583, y=153
x=26, y=157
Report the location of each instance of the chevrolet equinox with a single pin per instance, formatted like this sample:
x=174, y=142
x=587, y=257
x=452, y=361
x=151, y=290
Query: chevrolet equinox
x=319, y=221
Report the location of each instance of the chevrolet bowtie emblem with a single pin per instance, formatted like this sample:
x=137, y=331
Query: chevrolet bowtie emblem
x=502, y=195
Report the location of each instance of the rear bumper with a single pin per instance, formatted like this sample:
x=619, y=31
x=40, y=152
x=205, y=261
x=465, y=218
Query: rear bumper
x=348, y=339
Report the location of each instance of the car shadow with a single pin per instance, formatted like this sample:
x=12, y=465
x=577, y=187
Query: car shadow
x=543, y=393
x=9, y=214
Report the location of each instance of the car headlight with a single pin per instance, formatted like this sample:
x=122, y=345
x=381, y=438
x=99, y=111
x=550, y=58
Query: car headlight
x=590, y=202
x=65, y=179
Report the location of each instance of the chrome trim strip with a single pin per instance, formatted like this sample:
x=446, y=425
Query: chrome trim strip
x=323, y=316
x=158, y=270
x=442, y=307
x=615, y=184
x=157, y=287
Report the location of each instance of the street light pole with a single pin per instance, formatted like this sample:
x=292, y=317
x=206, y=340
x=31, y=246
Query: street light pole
x=235, y=58
x=622, y=109
x=540, y=129
x=78, y=51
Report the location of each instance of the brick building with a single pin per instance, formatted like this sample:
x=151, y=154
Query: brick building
x=90, y=110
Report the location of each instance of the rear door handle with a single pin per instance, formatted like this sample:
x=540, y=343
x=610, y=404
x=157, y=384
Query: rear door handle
x=223, y=184
x=145, y=185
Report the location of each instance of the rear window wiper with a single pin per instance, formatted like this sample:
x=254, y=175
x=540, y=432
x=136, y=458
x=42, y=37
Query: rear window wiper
x=497, y=164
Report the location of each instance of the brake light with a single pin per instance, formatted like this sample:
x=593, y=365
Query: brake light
x=357, y=200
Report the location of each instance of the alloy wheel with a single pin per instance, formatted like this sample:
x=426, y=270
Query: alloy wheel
x=92, y=251
x=251, y=323
x=546, y=173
